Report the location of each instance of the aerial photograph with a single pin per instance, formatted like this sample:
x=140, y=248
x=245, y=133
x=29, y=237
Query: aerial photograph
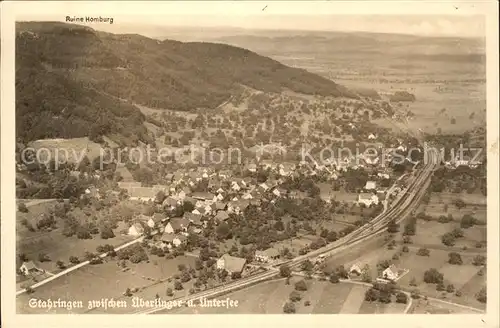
x=261, y=165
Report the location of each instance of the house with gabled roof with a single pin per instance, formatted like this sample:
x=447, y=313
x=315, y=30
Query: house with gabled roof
x=203, y=196
x=170, y=202
x=176, y=225
x=370, y=185
x=173, y=240
x=221, y=216
x=136, y=229
x=391, y=273
x=155, y=222
x=29, y=267
x=267, y=255
x=144, y=194
x=194, y=219
x=368, y=199
x=231, y=264
x=220, y=206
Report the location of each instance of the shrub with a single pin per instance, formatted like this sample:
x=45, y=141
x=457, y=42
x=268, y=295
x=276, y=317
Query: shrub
x=455, y=258
x=423, y=252
x=479, y=260
x=481, y=295
x=22, y=208
x=295, y=296
x=301, y=285
x=289, y=307
x=405, y=249
x=401, y=298
x=433, y=276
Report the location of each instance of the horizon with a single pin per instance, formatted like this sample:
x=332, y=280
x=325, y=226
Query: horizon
x=432, y=26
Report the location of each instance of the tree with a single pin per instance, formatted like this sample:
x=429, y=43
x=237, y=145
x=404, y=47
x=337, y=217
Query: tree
x=236, y=275
x=415, y=294
x=423, y=252
x=393, y=227
x=481, y=295
x=160, y=197
x=479, y=260
x=467, y=221
x=455, y=258
x=301, y=285
x=405, y=249
x=307, y=266
x=440, y=287
x=74, y=259
x=170, y=292
x=450, y=288
x=22, y=208
x=42, y=257
x=401, y=298
x=334, y=278
x=289, y=307
x=295, y=296
x=448, y=239
x=178, y=285
x=433, y=276
x=107, y=232
x=128, y=292
x=60, y=264
x=285, y=271
x=372, y=295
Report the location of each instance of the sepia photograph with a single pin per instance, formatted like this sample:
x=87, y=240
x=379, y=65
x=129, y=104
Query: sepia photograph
x=255, y=163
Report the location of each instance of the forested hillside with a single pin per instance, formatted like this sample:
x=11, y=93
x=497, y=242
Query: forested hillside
x=73, y=81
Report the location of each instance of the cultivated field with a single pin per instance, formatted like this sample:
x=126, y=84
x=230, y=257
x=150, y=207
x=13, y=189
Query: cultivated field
x=324, y=298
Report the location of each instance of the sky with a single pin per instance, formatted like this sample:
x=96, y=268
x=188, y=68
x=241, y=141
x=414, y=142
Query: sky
x=427, y=18
x=465, y=26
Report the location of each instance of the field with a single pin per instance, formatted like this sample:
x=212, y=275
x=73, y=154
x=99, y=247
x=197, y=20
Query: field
x=441, y=73
x=429, y=235
x=107, y=280
x=442, y=204
x=269, y=298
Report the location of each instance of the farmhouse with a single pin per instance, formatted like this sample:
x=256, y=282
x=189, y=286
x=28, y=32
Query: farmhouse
x=371, y=185
x=177, y=225
x=170, y=240
x=170, y=202
x=252, y=167
x=391, y=273
x=267, y=255
x=203, y=196
x=156, y=220
x=193, y=218
x=28, y=268
x=231, y=264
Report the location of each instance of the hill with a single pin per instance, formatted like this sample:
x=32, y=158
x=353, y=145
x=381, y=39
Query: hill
x=73, y=81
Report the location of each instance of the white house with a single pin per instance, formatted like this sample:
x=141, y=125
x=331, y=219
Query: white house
x=252, y=167
x=28, y=268
x=391, y=273
x=371, y=185
x=136, y=229
x=368, y=199
x=372, y=136
x=355, y=269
